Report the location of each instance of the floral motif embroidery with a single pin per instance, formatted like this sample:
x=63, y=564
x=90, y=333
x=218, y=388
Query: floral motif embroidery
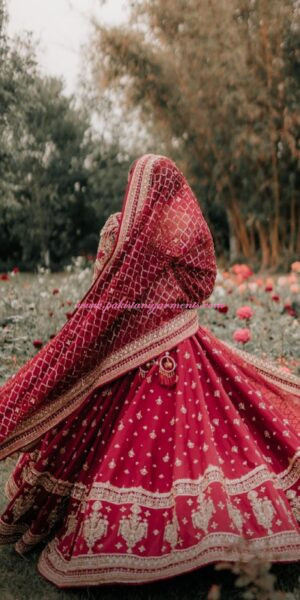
x=294, y=502
x=171, y=531
x=23, y=503
x=263, y=509
x=94, y=526
x=235, y=515
x=133, y=529
x=72, y=523
x=202, y=516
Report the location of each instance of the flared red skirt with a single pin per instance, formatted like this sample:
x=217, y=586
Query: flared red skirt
x=144, y=481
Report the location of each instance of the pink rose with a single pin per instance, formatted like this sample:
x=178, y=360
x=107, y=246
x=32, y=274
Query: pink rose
x=292, y=278
x=260, y=282
x=252, y=286
x=242, y=336
x=242, y=271
x=295, y=266
x=282, y=280
x=285, y=369
x=244, y=312
x=242, y=288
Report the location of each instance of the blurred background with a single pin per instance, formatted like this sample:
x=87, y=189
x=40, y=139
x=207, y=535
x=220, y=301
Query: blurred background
x=86, y=86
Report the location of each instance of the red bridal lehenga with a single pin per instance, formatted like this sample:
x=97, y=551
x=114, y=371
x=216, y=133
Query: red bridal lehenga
x=148, y=447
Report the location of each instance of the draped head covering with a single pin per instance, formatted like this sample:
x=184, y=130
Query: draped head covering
x=163, y=257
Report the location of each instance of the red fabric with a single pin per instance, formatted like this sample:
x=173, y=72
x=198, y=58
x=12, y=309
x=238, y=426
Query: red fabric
x=143, y=482
x=164, y=253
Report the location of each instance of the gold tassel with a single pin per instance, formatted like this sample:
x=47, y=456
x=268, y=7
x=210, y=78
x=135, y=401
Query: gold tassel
x=167, y=370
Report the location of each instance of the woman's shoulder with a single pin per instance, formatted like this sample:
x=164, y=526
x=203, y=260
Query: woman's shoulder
x=111, y=224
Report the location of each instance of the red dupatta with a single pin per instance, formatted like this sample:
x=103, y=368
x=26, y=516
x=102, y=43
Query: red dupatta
x=163, y=255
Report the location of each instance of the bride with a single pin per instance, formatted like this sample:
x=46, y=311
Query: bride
x=149, y=448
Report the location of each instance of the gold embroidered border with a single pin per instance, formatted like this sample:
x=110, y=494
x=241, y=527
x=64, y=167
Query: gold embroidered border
x=10, y=488
x=28, y=541
x=151, y=344
x=130, y=568
x=11, y=531
x=165, y=337
x=286, y=381
x=181, y=487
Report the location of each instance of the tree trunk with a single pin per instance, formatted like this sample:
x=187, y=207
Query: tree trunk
x=298, y=236
x=252, y=239
x=46, y=258
x=264, y=246
x=274, y=136
x=234, y=247
x=240, y=228
x=293, y=217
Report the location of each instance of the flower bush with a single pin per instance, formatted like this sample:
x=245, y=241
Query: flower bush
x=242, y=336
x=245, y=312
x=33, y=308
x=270, y=307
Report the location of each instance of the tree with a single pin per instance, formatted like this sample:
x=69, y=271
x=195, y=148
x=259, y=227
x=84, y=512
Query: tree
x=58, y=181
x=216, y=83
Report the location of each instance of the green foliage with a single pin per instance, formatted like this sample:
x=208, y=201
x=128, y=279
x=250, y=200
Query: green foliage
x=58, y=182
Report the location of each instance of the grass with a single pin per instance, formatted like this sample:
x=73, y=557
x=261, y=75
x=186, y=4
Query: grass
x=31, y=310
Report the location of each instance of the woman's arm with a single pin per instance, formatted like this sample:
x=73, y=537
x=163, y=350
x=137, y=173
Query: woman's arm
x=108, y=235
x=183, y=236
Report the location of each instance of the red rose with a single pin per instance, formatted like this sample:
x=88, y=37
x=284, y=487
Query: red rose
x=55, y=291
x=289, y=310
x=37, y=343
x=275, y=298
x=4, y=277
x=222, y=308
x=268, y=288
x=242, y=336
x=16, y=270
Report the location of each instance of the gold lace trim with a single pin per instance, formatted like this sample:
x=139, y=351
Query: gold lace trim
x=286, y=381
x=132, y=355
x=181, y=487
x=131, y=568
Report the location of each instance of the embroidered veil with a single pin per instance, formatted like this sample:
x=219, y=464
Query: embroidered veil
x=163, y=256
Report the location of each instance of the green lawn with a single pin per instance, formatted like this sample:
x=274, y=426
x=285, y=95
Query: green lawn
x=35, y=307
